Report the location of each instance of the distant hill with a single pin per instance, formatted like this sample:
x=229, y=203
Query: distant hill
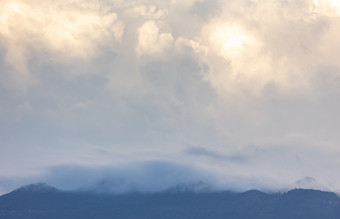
x=43, y=201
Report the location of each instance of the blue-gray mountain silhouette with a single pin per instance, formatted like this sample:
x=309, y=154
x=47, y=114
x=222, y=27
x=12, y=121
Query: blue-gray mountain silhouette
x=44, y=201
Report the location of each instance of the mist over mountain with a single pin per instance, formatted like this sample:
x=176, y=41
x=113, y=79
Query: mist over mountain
x=248, y=90
x=155, y=108
x=157, y=176
x=43, y=201
x=36, y=188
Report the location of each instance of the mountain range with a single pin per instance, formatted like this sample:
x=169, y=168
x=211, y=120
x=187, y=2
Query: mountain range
x=44, y=201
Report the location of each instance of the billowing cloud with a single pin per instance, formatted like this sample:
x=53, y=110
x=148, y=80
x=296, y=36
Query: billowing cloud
x=100, y=83
x=150, y=40
x=280, y=45
x=326, y=7
x=64, y=29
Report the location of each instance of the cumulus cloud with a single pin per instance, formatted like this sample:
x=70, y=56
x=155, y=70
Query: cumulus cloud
x=273, y=46
x=108, y=81
x=148, y=11
x=150, y=40
x=66, y=30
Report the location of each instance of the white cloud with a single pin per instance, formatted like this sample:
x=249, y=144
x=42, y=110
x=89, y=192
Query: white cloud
x=147, y=11
x=151, y=40
x=134, y=77
x=64, y=29
x=198, y=49
x=326, y=7
x=259, y=44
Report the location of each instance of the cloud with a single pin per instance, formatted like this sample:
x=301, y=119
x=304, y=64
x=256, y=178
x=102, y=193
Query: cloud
x=274, y=52
x=64, y=30
x=150, y=176
x=95, y=82
x=267, y=168
x=148, y=11
x=150, y=40
x=199, y=151
x=326, y=7
x=145, y=176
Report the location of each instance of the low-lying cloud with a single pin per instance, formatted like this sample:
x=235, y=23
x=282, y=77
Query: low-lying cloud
x=152, y=176
x=199, y=151
x=99, y=83
x=270, y=169
x=148, y=176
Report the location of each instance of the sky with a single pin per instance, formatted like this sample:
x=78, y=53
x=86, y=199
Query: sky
x=149, y=94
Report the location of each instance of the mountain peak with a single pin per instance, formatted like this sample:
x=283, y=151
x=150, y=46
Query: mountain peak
x=310, y=183
x=306, y=180
x=298, y=203
x=37, y=188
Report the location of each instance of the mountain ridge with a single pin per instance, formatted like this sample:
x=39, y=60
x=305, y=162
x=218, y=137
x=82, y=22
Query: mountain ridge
x=44, y=201
x=37, y=187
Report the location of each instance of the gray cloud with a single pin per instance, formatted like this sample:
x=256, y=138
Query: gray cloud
x=130, y=81
x=199, y=151
x=146, y=176
x=152, y=176
x=269, y=168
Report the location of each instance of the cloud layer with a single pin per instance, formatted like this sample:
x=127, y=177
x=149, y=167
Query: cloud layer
x=237, y=88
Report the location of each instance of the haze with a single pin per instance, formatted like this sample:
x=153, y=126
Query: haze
x=239, y=94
